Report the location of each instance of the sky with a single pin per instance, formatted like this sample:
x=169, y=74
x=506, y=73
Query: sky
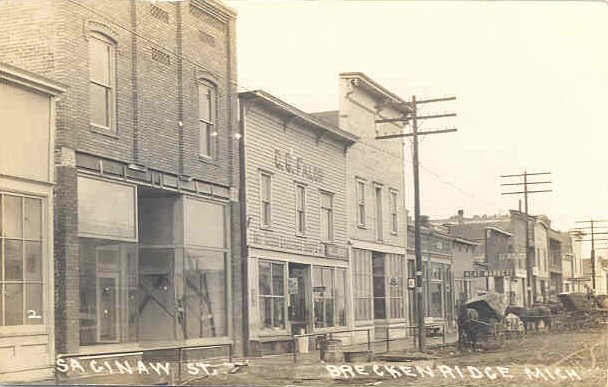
x=531, y=81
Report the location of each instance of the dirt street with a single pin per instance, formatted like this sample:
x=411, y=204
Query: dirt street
x=564, y=359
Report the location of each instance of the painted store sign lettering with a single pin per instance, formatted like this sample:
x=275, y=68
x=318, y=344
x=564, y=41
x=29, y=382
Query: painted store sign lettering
x=294, y=165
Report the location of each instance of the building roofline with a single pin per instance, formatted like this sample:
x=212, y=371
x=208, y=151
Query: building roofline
x=375, y=88
x=499, y=230
x=291, y=111
x=30, y=80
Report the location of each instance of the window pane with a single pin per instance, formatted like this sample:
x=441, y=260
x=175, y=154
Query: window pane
x=341, y=297
x=14, y=304
x=279, y=312
x=34, y=313
x=265, y=278
x=277, y=279
x=98, y=99
x=99, y=61
x=32, y=218
x=204, y=103
x=13, y=251
x=204, y=139
x=266, y=312
x=12, y=217
x=33, y=261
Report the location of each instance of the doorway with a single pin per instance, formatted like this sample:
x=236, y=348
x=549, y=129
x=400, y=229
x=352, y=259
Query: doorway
x=299, y=298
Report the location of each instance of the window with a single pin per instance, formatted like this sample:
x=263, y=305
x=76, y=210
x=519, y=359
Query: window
x=329, y=297
x=327, y=216
x=206, y=120
x=362, y=287
x=21, y=259
x=396, y=286
x=379, y=285
x=379, y=218
x=393, y=206
x=272, y=295
x=300, y=209
x=265, y=200
x=361, y=203
x=102, y=79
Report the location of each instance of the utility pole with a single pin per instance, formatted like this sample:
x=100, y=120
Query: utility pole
x=593, y=227
x=531, y=294
x=414, y=117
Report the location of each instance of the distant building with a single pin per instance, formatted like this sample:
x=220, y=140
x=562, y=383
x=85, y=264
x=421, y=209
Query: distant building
x=572, y=262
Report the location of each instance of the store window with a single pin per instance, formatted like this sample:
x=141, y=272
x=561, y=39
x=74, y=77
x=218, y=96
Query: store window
x=102, y=77
x=206, y=119
x=265, y=200
x=300, y=209
x=362, y=287
x=329, y=297
x=21, y=260
x=396, y=286
x=361, y=216
x=205, y=293
x=272, y=294
x=327, y=216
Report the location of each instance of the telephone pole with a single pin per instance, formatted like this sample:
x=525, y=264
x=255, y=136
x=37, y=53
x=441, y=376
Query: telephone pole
x=531, y=294
x=593, y=227
x=414, y=117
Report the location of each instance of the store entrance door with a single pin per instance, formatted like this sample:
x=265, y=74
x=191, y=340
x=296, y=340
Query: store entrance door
x=299, y=298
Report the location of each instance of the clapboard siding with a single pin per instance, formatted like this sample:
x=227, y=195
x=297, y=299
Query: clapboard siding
x=266, y=132
x=375, y=162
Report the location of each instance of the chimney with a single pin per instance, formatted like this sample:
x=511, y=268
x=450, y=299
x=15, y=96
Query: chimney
x=460, y=216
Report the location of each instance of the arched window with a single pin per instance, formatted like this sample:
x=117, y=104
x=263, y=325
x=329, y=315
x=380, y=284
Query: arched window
x=207, y=105
x=102, y=77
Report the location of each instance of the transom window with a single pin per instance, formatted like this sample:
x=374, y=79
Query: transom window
x=21, y=259
x=102, y=80
x=206, y=119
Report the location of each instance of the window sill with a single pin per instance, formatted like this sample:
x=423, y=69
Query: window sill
x=208, y=160
x=104, y=131
x=266, y=228
x=303, y=236
x=362, y=226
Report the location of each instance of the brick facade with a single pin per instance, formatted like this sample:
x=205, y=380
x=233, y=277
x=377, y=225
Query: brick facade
x=162, y=50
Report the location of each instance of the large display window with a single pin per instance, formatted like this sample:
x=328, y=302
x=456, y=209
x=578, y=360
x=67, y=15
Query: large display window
x=159, y=278
x=329, y=297
x=21, y=260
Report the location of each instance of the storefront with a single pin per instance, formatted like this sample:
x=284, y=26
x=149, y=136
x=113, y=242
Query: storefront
x=26, y=225
x=153, y=267
x=297, y=259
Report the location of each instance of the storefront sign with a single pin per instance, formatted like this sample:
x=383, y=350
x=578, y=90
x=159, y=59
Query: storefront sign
x=486, y=273
x=297, y=166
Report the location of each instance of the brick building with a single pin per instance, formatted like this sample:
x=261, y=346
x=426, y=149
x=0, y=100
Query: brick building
x=27, y=175
x=147, y=247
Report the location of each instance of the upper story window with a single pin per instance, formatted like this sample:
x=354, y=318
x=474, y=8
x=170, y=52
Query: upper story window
x=206, y=119
x=102, y=76
x=361, y=203
x=265, y=200
x=394, y=217
x=300, y=209
x=379, y=213
x=327, y=217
